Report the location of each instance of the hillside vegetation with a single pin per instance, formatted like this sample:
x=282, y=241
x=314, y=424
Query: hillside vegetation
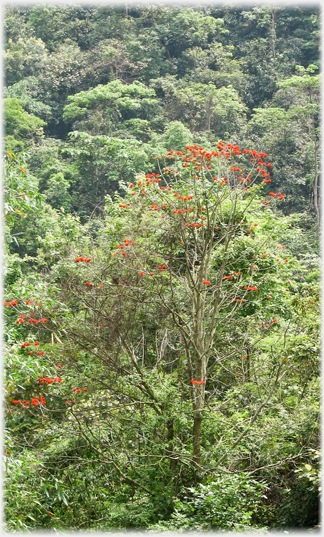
x=161, y=286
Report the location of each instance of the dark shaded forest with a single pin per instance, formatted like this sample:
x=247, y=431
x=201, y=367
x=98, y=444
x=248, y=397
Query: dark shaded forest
x=161, y=222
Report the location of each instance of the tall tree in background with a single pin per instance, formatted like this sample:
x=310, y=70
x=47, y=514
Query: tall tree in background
x=303, y=97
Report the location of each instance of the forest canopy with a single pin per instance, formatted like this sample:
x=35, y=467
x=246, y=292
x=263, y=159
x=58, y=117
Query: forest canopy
x=161, y=281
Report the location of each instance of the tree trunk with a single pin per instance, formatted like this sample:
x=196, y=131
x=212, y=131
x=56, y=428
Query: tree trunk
x=200, y=369
x=173, y=462
x=209, y=112
x=199, y=401
x=273, y=33
x=196, y=439
x=248, y=366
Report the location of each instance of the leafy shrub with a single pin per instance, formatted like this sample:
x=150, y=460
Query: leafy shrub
x=231, y=502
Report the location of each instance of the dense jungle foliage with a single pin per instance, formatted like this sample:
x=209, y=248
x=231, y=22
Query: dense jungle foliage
x=161, y=286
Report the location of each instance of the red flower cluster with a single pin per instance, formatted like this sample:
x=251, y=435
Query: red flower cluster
x=250, y=288
x=198, y=381
x=85, y=260
x=152, y=177
x=280, y=196
x=127, y=243
x=184, y=198
x=36, y=321
x=206, y=282
x=200, y=158
x=28, y=344
x=9, y=304
x=49, y=381
x=36, y=402
x=89, y=284
x=162, y=268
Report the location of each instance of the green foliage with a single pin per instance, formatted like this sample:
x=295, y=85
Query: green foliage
x=23, y=58
x=94, y=93
x=229, y=502
x=291, y=128
x=176, y=136
x=101, y=161
x=30, y=94
x=56, y=192
x=203, y=107
x=106, y=106
x=20, y=187
x=20, y=127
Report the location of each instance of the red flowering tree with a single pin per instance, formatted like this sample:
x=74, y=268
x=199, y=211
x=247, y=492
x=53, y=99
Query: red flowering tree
x=180, y=304
x=192, y=229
